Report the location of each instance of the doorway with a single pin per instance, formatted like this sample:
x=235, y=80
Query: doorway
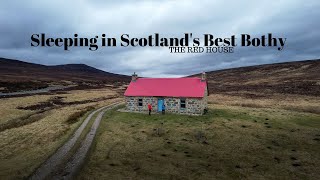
x=160, y=103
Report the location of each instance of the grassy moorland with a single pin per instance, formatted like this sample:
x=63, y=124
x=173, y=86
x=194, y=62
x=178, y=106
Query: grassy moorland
x=263, y=123
x=290, y=78
x=33, y=127
x=249, y=140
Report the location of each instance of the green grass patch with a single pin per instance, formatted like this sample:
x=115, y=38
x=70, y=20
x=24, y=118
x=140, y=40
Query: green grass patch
x=307, y=120
x=226, y=143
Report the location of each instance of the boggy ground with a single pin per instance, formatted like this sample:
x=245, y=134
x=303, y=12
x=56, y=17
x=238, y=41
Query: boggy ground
x=230, y=142
x=34, y=127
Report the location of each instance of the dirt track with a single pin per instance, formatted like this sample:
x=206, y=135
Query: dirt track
x=52, y=164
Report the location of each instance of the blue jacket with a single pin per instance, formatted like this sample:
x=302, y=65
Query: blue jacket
x=163, y=107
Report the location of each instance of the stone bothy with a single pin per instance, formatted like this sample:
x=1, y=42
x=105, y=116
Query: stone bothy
x=179, y=95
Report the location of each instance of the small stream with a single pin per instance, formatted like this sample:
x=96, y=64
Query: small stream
x=44, y=90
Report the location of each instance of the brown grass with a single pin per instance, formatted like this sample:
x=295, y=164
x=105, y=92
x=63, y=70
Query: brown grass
x=78, y=114
x=30, y=136
x=277, y=101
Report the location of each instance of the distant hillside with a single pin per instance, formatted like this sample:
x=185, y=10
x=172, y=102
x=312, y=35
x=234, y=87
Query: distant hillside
x=301, y=78
x=14, y=70
x=19, y=75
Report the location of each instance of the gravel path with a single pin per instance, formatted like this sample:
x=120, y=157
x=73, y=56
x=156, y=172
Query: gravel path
x=53, y=162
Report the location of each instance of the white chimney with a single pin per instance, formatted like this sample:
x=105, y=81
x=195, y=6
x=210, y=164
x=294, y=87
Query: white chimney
x=203, y=76
x=134, y=77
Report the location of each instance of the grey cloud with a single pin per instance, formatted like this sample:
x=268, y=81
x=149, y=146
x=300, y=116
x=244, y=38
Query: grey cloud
x=296, y=20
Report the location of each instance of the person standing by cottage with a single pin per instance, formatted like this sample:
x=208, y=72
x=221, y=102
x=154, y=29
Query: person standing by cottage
x=163, y=108
x=149, y=108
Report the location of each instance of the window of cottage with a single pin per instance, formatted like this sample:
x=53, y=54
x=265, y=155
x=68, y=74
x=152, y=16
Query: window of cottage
x=182, y=103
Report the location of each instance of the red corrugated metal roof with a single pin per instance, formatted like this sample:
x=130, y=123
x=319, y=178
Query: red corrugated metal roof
x=172, y=87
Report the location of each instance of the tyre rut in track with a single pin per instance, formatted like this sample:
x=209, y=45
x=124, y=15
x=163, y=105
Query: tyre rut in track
x=55, y=161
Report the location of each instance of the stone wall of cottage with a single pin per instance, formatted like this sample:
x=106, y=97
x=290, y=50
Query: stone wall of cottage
x=133, y=105
x=193, y=105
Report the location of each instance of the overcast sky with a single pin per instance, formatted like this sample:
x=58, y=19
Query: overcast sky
x=298, y=21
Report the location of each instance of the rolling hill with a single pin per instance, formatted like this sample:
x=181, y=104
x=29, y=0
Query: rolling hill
x=300, y=78
x=297, y=78
x=14, y=70
x=18, y=75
